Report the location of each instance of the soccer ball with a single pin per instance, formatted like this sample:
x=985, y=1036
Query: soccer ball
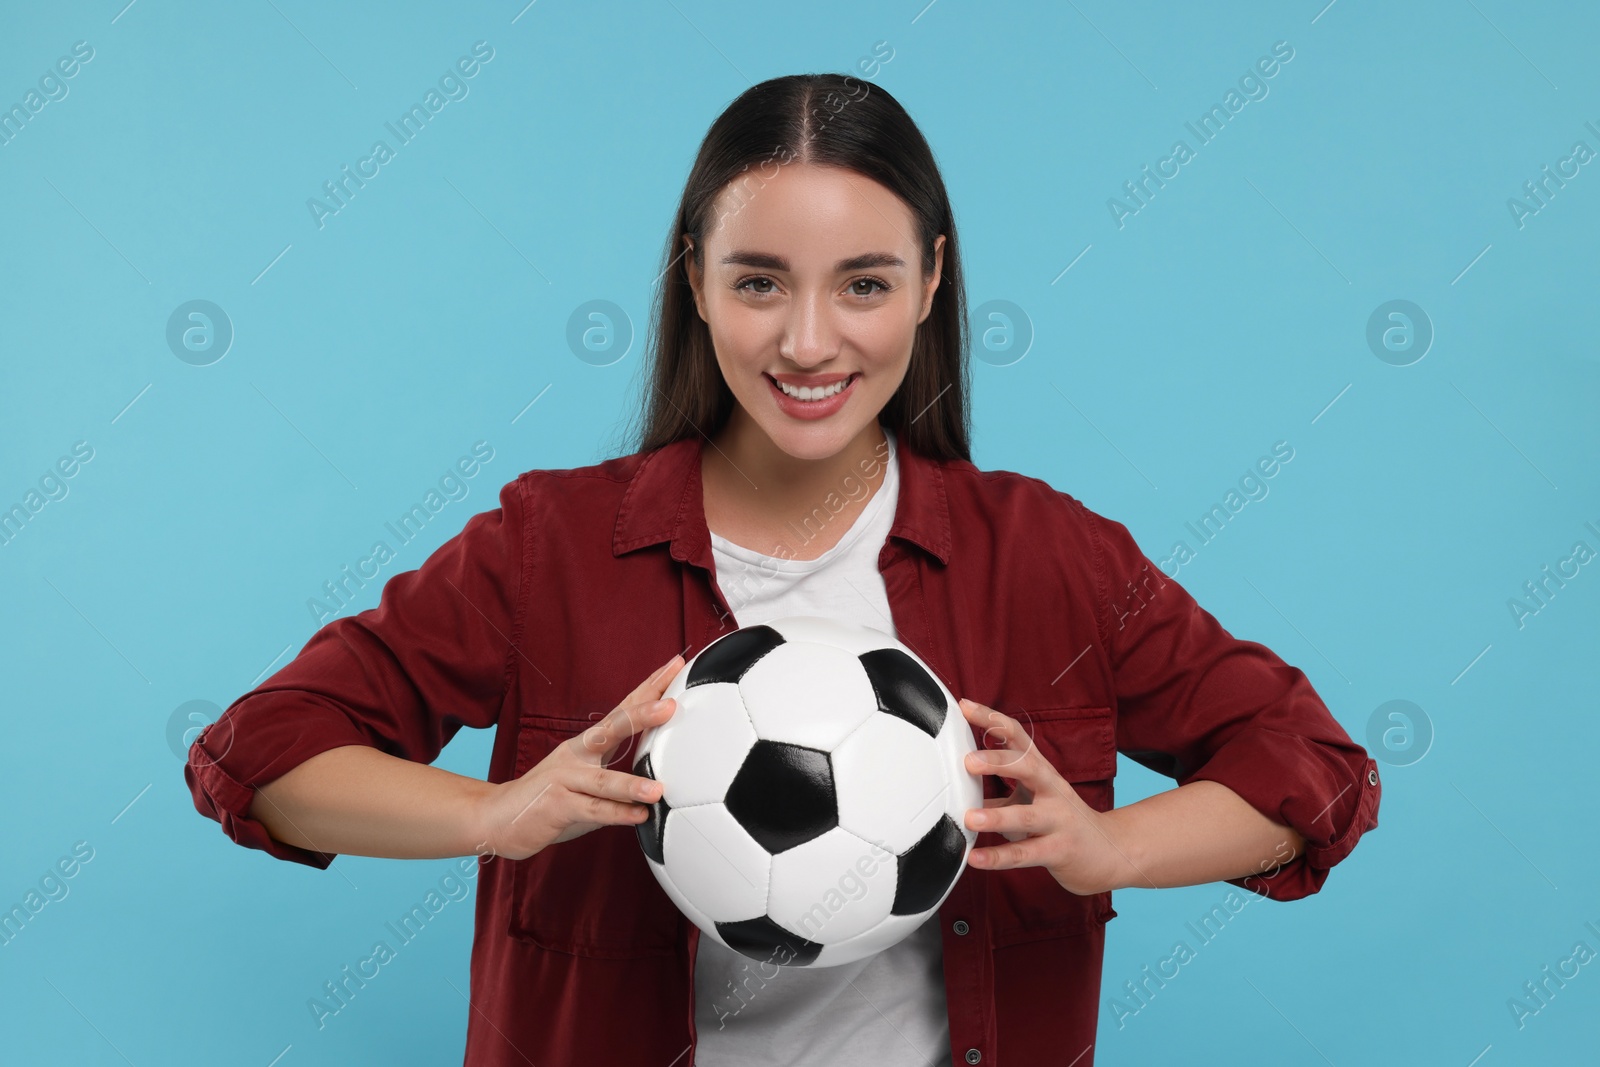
x=813, y=792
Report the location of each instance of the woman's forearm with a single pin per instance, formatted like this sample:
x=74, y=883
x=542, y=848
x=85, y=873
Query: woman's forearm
x=358, y=801
x=1200, y=832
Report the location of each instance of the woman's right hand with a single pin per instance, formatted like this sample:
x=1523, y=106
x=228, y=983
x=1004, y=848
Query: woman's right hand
x=573, y=790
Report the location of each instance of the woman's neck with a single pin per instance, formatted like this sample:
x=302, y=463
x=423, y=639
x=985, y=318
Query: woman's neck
x=759, y=496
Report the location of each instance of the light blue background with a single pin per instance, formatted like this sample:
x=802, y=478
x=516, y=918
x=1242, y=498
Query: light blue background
x=1228, y=314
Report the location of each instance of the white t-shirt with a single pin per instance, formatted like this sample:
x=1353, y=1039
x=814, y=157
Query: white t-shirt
x=889, y=1009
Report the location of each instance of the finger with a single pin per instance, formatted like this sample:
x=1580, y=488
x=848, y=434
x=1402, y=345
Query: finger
x=1028, y=853
x=653, y=686
x=1025, y=767
x=637, y=710
x=1001, y=732
x=1001, y=802
x=1034, y=776
x=585, y=808
x=596, y=742
x=1022, y=819
x=612, y=785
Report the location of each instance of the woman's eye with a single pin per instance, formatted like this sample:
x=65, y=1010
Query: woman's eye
x=760, y=285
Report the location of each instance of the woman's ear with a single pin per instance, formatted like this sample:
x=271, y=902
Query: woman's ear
x=932, y=284
x=696, y=281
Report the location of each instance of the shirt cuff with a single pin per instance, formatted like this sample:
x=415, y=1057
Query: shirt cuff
x=1327, y=793
x=219, y=795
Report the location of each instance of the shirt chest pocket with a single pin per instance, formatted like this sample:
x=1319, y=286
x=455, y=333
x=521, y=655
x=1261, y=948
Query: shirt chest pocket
x=593, y=895
x=1027, y=903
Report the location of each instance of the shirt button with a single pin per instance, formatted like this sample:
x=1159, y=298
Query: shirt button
x=960, y=926
x=973, y=1055
x=1372, y=776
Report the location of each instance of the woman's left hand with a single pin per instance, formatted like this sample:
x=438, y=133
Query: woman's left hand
x=1048, y=823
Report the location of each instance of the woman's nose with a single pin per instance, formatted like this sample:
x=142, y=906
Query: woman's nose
x=810, y=336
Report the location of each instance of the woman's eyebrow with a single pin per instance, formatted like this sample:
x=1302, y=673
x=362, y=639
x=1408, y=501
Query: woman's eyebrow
x=768, y=261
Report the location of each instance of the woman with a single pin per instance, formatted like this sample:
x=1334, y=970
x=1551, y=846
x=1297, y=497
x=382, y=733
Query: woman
x=804, y=451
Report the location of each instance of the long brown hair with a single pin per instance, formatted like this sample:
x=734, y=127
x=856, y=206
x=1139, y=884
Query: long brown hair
x=826, y=120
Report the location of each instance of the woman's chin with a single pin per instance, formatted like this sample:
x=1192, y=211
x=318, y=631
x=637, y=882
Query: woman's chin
x=818, y=441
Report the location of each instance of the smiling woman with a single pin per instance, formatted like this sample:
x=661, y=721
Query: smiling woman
x=820, y=299
x=809, y=334
x=811, y=347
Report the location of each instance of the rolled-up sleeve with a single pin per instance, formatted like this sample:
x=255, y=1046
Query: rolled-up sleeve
x=403, y=677
x=1198, y=704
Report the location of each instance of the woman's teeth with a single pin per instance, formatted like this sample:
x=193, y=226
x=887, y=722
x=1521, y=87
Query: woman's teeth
x=806, y=392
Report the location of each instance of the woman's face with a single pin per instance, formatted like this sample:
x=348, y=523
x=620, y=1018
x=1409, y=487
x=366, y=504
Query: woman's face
x=812, y=277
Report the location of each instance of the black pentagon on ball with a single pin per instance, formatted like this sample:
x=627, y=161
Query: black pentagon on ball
x=728, y=657
x=762, y=939
x=654, y=829
x=905, y=689
x=783, y=795
x=928, y=868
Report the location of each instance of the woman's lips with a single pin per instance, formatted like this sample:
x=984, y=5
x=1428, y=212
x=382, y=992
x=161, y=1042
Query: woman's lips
x=811, y=409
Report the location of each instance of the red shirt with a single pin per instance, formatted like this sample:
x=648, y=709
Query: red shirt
x=542, y=614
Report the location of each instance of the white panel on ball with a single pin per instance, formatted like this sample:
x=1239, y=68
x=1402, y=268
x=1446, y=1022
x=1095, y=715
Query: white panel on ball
x=832, y=887
x=811, y=695
x=890, y=781
x=716, y=730
x=715, y=863
x=891, y=931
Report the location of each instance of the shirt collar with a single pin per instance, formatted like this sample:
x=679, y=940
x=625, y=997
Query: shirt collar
x=663, y=502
